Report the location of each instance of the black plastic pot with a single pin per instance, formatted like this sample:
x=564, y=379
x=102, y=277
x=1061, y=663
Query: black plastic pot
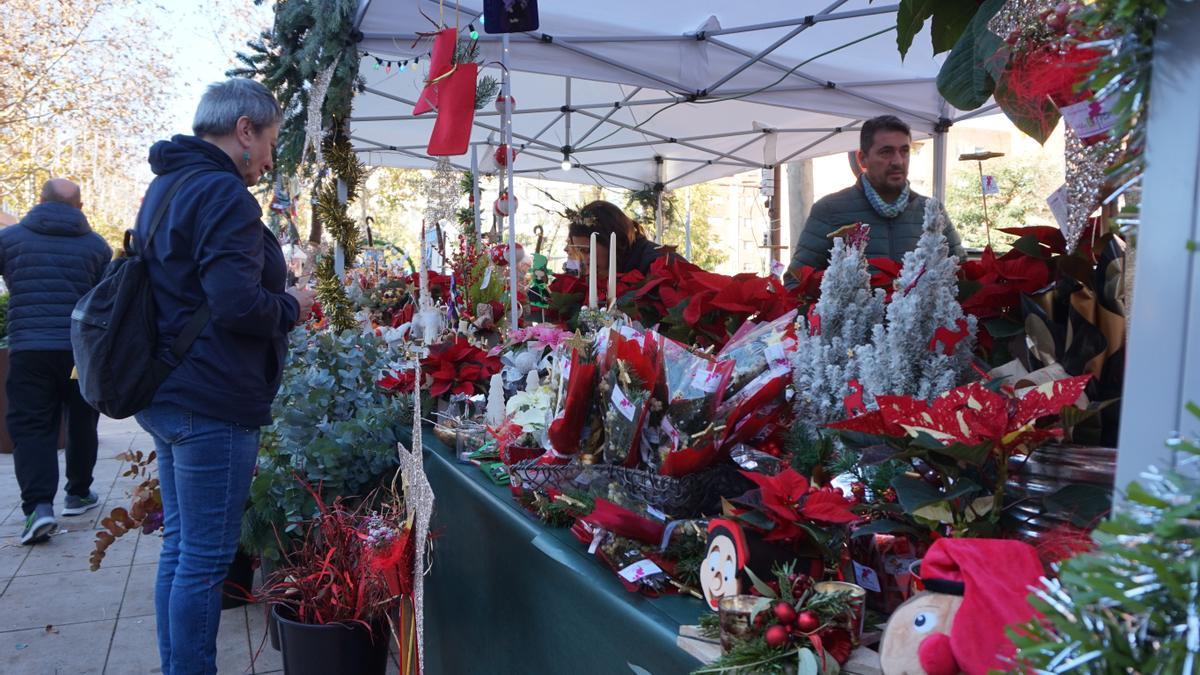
x=330, y=648
x=238, y=588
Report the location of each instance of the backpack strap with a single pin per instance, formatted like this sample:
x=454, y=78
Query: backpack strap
x=199, y=320
x=165, y=202
x=190, y=332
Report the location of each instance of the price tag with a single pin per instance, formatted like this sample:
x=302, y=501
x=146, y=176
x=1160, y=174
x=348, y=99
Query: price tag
x=707, y=381
x=866, y=577
x=640, y=570
x=1090, y=117
x=777, y=359
x=622, y=403
x=1057, y=201
x=671, y=432
x=487, y=278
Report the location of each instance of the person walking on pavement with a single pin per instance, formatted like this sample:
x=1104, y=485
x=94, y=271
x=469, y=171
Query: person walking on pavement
x=49, y=260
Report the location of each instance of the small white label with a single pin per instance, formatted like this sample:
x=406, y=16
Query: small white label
x=655, y=513
x=707, y=381
x=989, y=185
x=487, y=278
x=1090, y=117
x=671, y=432
x=1057, y=201
x=622, y=402
x=777, y=268
x=777, y=360
x=640, y=570
x=866, y=577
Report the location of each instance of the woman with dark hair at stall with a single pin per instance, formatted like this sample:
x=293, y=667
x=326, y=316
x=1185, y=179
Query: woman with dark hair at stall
x=634, y=250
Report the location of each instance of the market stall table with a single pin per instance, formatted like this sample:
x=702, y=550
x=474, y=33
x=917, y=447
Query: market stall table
x=508, y=594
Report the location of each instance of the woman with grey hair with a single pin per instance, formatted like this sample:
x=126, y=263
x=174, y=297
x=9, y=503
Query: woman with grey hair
x=217, y=273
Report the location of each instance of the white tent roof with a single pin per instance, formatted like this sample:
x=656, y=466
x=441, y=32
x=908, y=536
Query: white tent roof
x=712, y=88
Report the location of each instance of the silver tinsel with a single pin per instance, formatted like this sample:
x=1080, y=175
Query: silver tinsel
x=442, y=194
x=1085, y=178
x=418, y=500
x=1018, y=15
x=313, y=132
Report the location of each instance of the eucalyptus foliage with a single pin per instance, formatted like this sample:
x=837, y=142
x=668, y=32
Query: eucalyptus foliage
x=334, y=431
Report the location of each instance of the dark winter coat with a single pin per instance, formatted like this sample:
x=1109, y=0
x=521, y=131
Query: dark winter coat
x=49, y=260
x=641, y=254
x=890, y=238
x=212, y=246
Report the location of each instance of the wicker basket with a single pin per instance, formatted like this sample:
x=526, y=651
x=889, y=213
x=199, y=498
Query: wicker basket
x=689, y=496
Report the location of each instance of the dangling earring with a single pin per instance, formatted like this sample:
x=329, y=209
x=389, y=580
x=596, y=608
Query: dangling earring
x=246, y=158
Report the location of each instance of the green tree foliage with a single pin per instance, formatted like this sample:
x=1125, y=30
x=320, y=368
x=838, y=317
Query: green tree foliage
x=1024, y=185
x=1129, y=606
x=707, y=249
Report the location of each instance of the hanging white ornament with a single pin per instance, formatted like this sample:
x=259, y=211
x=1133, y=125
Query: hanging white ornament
x=505, y=205
x=505, y=104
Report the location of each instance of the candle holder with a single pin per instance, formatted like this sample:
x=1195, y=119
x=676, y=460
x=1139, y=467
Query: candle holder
x=736, y=614
x=854, y=618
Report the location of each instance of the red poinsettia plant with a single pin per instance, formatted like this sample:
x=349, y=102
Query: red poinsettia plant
x=458, y=367
x=788, y=507
x=705, y=308
x=959, y=446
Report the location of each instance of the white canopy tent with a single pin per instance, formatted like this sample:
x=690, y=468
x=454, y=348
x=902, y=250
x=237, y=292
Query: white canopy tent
x=671, y=91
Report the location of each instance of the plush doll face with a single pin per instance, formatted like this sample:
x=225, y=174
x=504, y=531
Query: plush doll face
x=919, y=618
x=719, y=572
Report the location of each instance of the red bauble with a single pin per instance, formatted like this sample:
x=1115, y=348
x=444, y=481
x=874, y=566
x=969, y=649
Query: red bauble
x=785, y=613
x=771, y=447
x=777, y=636
x=503, y=154
x=807, y=622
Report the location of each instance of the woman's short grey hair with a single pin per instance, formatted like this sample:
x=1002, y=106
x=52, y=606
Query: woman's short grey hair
x=226, y=102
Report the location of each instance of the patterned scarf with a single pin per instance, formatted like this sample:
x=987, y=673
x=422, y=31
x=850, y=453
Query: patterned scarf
x=881, y=207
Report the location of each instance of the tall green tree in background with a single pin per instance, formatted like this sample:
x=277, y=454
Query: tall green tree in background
x=707, y=250
x=1024, y=184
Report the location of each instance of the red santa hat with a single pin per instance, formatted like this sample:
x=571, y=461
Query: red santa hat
x=994, y=577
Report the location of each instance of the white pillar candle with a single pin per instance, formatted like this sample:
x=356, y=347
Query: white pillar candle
x=592, y=299
x=612, y=270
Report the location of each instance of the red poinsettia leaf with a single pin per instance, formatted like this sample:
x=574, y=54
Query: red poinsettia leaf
x=1050, y=398
x=1051, y=237
x=828, y=506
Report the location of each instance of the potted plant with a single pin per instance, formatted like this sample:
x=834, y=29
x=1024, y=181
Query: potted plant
x=334, y=428
x=336, y=594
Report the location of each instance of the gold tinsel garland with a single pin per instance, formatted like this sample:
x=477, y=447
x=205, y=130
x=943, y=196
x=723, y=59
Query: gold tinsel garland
x=335, y=215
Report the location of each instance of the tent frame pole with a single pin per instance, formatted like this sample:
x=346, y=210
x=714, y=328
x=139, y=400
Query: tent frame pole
x=514, y=305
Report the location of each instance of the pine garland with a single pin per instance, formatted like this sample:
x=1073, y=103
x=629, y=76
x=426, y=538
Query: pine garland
x=1133, y=604
x=308, y=37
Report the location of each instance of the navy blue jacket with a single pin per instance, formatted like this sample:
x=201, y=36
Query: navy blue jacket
x=49, y=260
x=212, y=246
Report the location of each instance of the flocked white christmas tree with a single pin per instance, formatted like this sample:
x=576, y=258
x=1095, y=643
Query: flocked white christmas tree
x=825, y=359
x=906, y=354
x=494, y=414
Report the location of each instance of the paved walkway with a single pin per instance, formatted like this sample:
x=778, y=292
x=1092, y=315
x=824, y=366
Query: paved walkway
x=58, y=617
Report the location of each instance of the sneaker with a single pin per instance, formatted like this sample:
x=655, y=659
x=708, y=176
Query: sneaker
x=39, y=525
x=75, y=506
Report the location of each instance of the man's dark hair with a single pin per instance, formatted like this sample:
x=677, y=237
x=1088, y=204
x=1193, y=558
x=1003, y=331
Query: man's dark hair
x=866, y=137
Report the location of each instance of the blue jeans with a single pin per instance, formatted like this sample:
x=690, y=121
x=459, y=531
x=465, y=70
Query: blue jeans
x=204, y=469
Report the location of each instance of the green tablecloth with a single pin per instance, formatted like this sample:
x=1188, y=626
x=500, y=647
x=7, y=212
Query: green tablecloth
x=509, y=595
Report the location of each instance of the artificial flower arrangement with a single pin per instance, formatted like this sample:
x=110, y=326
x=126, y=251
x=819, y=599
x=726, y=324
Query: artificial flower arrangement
x=457, y=367
x=791, y=624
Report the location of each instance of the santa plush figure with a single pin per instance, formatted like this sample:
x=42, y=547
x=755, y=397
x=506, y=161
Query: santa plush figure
x=975, y=589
